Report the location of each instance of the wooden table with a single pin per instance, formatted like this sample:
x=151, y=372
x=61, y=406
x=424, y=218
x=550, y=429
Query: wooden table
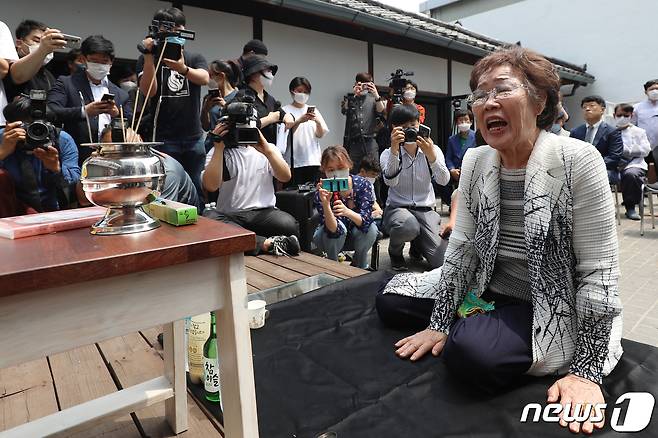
x=68, y=289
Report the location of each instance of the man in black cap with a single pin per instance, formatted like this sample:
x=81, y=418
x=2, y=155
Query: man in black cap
x=259, y=75
x=253, y=47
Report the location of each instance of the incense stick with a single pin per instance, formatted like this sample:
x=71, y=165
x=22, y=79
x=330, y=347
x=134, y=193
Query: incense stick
x=82, y=99
x=148, y=92
x=123, y=126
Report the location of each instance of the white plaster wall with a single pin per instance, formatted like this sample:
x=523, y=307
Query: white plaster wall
x=329, y=62
x=461, y=75
x=124, y=22
x=430, y=73
x=614, y=38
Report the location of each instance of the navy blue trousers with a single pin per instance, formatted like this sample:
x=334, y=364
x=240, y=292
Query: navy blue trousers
x=491, y=350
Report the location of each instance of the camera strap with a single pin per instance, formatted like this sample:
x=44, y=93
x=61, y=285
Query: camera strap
x=429, y=167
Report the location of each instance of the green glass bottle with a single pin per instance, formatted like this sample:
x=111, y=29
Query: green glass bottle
x=211, y=363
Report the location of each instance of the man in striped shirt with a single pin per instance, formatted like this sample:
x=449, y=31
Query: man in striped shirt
x=409, y=167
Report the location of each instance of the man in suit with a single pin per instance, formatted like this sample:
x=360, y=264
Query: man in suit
x=76, y=98
x=605, y=138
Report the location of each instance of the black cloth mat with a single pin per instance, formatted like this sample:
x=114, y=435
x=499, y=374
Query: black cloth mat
x=324, y=362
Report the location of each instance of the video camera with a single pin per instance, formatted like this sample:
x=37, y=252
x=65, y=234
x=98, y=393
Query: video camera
x=242, y=118
x=397, y=83
x=160, y=31
x=39, y=132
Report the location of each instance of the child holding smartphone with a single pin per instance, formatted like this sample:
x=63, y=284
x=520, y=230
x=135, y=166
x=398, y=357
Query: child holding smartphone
x=344, y=214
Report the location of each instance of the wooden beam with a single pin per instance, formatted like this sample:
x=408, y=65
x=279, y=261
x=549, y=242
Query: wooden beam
x=92, y=413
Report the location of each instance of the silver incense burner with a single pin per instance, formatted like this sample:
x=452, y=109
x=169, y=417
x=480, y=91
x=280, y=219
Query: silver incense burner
x=123, y=177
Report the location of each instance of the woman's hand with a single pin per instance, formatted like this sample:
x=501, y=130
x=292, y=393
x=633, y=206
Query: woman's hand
x=572, y=390
x=325, y=196
x=341, y=210
x=417, y=345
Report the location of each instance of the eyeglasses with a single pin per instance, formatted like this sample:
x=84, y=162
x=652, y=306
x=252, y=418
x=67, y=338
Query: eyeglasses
x=500, y=92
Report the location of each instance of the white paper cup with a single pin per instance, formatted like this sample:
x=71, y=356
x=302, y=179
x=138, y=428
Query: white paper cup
x=257, y=313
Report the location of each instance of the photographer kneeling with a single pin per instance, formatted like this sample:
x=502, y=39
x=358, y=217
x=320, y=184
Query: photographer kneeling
x=41, y=160
x=345, y=212
x=410, y=165
x=241, y=166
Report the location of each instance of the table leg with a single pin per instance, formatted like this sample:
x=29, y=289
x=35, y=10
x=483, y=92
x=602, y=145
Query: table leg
x=236, y=364
x=174, y=362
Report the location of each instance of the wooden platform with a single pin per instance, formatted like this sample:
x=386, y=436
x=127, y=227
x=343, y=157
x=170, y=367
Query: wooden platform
x=44, y=386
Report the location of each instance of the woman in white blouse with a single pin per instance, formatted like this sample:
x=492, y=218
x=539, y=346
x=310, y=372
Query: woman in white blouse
x=306, y=133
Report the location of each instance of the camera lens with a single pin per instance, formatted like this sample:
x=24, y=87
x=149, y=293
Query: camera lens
x=37, y=131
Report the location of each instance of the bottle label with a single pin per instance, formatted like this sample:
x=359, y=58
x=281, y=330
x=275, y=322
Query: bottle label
x=211, y=374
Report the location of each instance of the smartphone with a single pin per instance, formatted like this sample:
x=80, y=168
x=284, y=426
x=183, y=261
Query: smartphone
x=310, y=109
x=335, y=184
x=72, y=41
x=213, y=92
x=424, y=131
x=107, y=97
x=173, y=51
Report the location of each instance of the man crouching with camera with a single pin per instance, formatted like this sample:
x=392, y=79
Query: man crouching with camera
x=410, y=165
x=241, y=166
x=41, y=161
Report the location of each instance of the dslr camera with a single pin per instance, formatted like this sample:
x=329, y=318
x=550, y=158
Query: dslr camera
x=160, y=31
x=39, y=132
x=242, y=118
x=397, y=83
x=412, y=134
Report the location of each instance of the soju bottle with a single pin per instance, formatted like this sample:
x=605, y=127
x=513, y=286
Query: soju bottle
x=211, y=363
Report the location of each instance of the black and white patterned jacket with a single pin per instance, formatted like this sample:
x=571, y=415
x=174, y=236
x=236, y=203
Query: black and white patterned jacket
x=572, y=254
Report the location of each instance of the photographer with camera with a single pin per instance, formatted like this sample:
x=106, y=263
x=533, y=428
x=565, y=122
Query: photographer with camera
x=41, y=159
x=410, y=165
x=222, y=88
x=176, y=90
x=87, y=100
x=407, y=96
x=35, y=44
x=242, y=164
x=345, y=208
x=361, y=111
x=259, y=74
x=308, y=129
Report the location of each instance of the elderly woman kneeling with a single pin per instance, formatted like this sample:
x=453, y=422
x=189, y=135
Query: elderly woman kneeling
x=529, y=283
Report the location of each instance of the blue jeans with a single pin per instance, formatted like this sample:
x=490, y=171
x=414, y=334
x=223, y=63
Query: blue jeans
x=191, y=154
x=333, y=245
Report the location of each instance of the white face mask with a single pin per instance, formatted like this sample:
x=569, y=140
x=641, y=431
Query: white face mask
x=34, y=47
x=300, y=98
x=98, y=71
x=463, y=127
x=371, y=180
x=409, y=94
x=266, y=79
x=653, y=95
x=340, y=173
x=622, y=122
x=364, y=91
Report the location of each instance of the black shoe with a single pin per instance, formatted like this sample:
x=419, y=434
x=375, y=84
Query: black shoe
x=285, y=245
x=398, y=263
x=415, y=255
x=632, y=214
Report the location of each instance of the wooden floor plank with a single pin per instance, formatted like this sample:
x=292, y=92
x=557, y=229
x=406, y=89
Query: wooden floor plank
x=80, y=375
x=134, y=361
x=342, y=268
x=309, y=269
x=26, y=393
x=278, y=271
x=261, y=281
